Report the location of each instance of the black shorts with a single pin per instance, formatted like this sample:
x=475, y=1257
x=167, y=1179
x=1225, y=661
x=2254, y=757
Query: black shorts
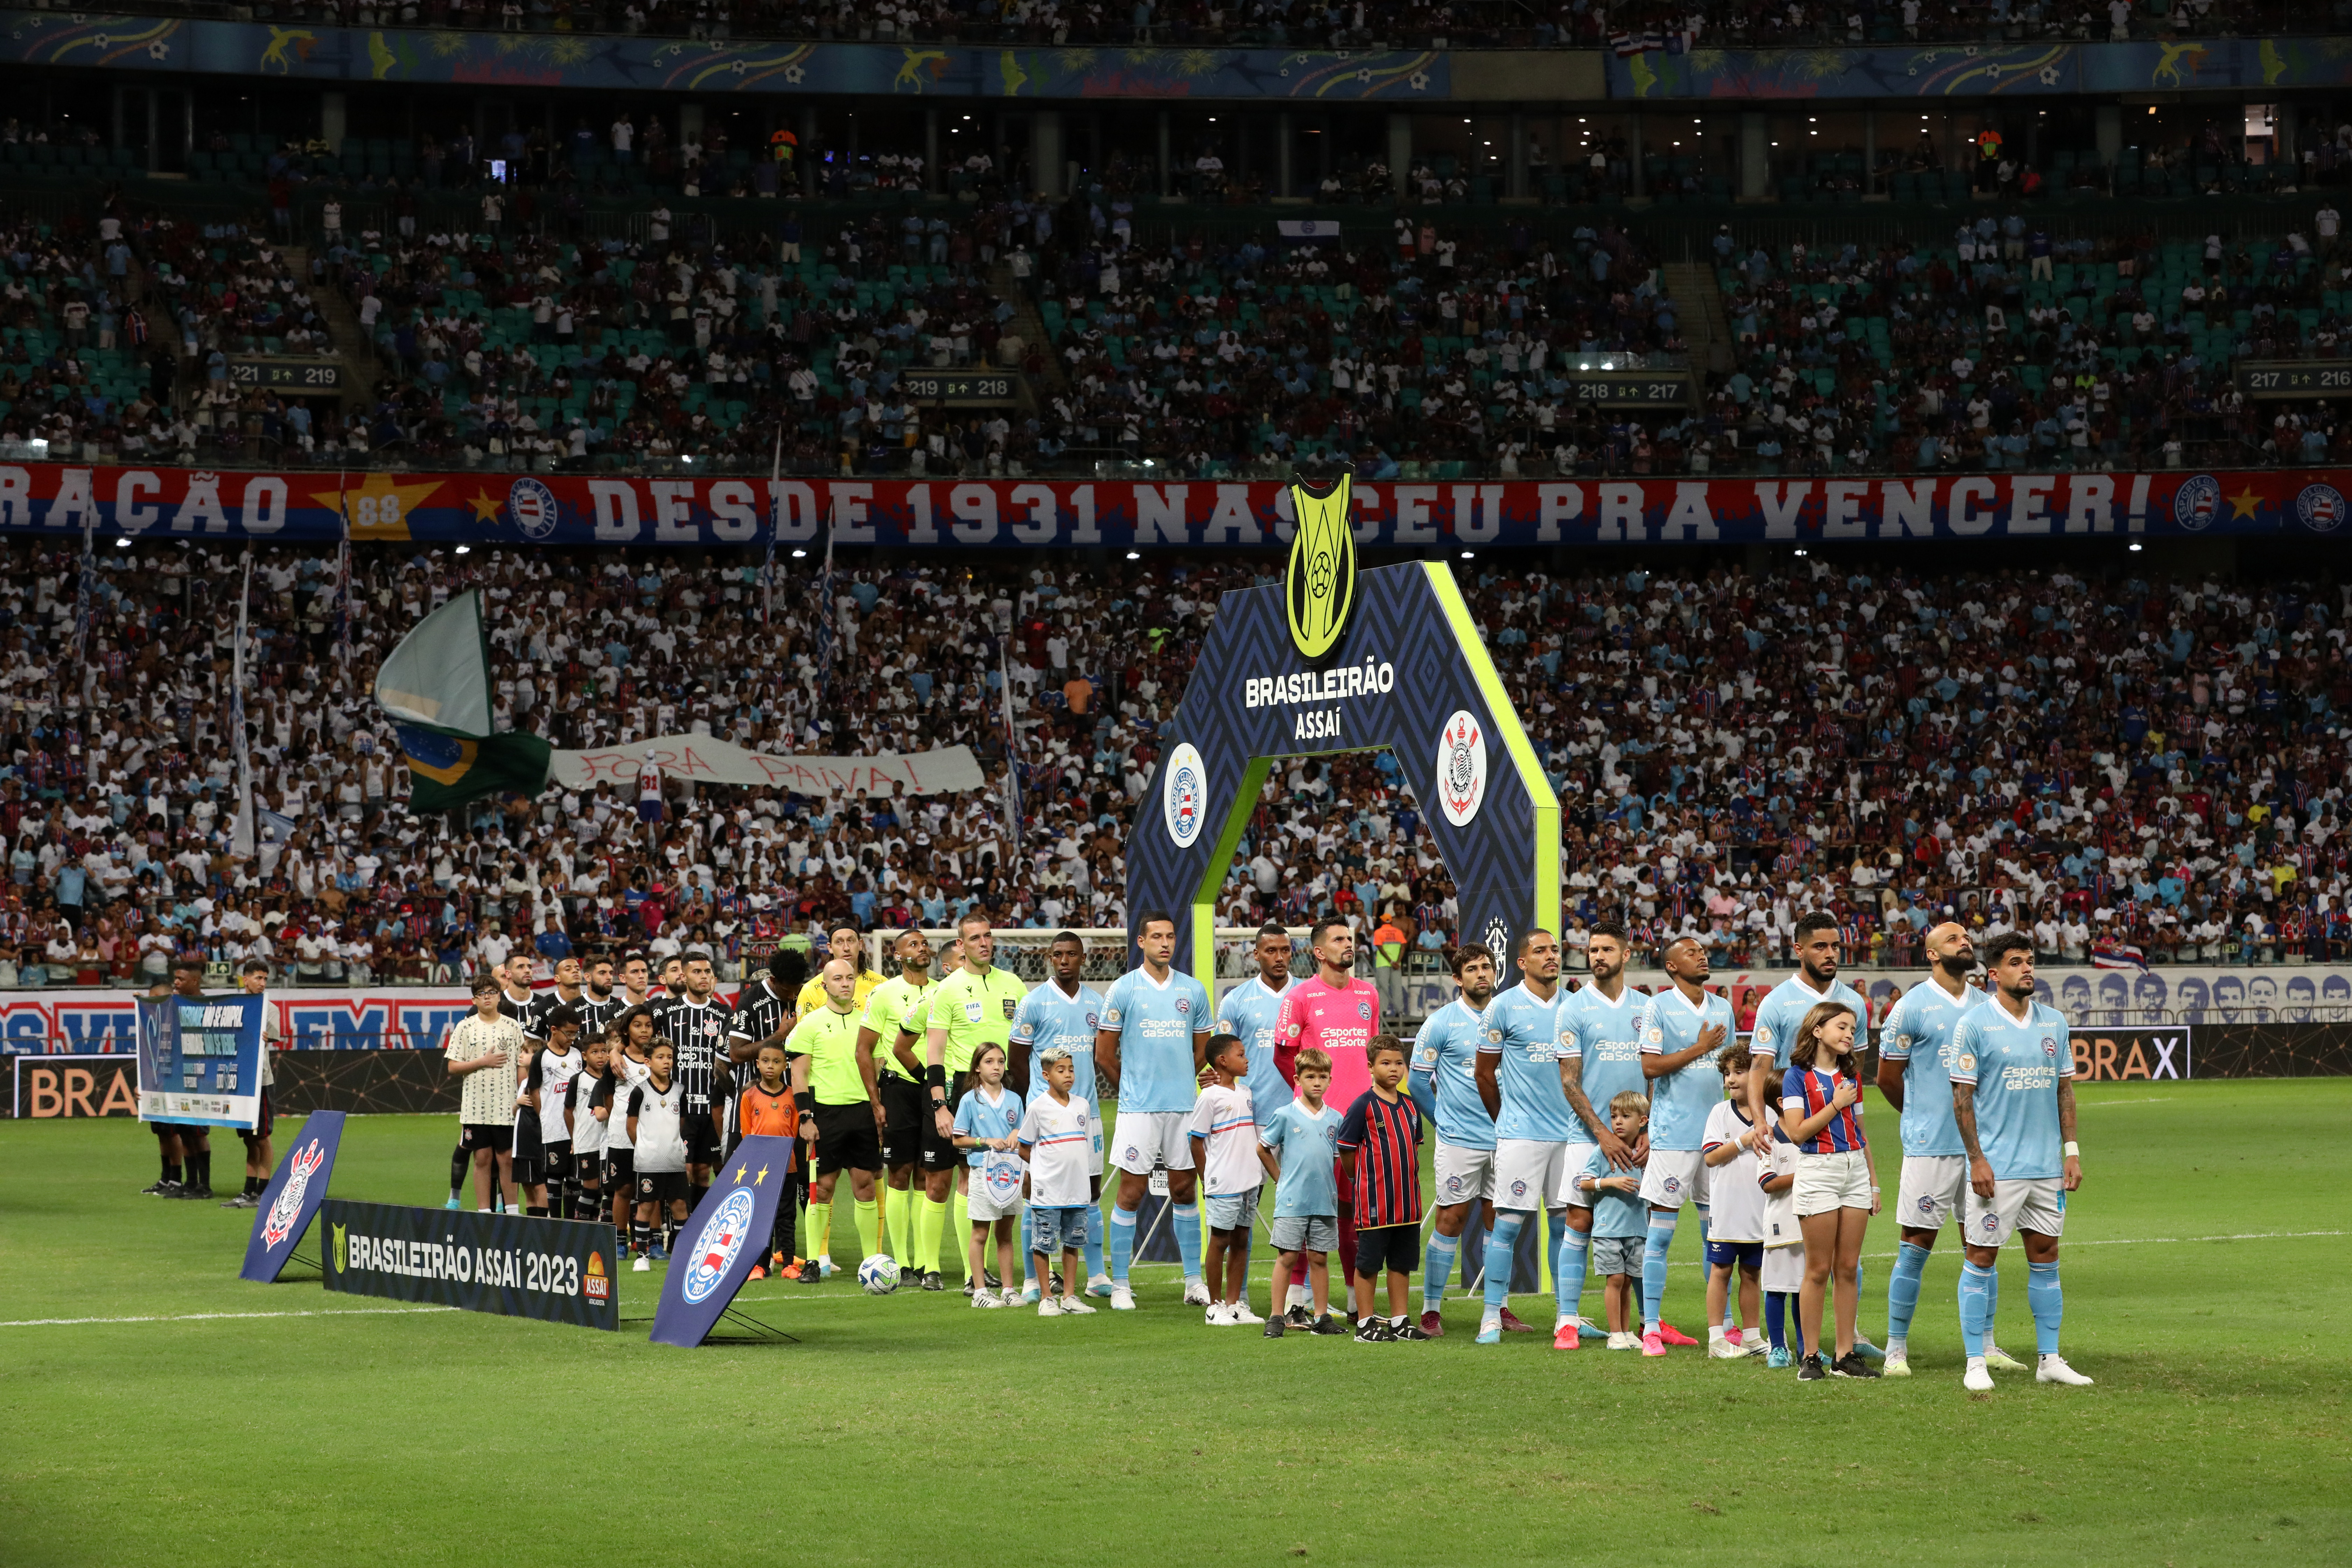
x=588, y=1165
x=620, y=1167
x=661, y=1186
x=845, y=1138
x=530, y=1164
x=1395, y=1249
x=498, y=1135
x=263, y=1121
x=904, y=1106
x=555, y=1159
x=700, y=1137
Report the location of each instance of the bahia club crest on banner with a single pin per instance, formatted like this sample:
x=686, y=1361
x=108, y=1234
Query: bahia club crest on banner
x=1331, y=660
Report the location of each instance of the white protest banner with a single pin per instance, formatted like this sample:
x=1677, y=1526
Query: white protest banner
x=707, y=761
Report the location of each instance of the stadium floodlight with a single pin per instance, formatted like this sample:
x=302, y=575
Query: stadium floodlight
x=2135, y=549
x=464, y=549
x=1135, y=555
x=1469, y=554
x=123, y=542
x=800, y=554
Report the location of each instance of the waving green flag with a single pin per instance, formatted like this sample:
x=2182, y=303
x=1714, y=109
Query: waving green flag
x=435, y=686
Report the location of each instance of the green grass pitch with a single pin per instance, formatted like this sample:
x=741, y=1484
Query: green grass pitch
x=180, y=1417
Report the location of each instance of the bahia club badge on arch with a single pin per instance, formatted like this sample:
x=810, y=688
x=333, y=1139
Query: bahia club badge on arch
x=1320, y=585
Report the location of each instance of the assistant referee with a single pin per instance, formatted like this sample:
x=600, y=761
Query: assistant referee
x=837, y=1116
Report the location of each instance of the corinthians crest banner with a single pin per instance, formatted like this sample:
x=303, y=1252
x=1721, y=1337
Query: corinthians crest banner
x=1336, y=660
x=296, y=1190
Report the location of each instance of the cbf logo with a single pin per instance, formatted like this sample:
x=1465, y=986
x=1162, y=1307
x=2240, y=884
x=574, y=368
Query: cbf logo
x=1498, y=940
x=2321, y=507
x=1461, y=768
x=1184, y=794
x=533, y=508
x=2196, y=501
x=715, y=1250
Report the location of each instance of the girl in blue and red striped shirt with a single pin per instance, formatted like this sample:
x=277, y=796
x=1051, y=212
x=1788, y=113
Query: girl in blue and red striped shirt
x=1835, y=1194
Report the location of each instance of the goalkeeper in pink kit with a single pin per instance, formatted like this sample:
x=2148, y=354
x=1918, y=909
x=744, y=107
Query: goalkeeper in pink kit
x=1337, y=1013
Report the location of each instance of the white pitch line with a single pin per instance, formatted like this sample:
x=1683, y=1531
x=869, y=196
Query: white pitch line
x=204, y=1317
x=2149, y=1100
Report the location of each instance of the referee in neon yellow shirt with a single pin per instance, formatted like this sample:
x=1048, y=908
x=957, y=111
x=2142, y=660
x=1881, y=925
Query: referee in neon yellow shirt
x=971, y=1007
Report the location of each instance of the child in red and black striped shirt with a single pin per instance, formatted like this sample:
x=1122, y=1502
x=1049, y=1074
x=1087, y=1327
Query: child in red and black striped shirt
x=1380, y=1158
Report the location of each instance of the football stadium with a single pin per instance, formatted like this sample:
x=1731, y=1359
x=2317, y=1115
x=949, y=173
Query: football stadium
x=715, y=712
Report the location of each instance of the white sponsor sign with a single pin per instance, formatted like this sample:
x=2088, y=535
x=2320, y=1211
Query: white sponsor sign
x=708, y=760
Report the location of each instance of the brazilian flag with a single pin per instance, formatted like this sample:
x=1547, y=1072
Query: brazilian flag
x=447, y=771
x=436, y=688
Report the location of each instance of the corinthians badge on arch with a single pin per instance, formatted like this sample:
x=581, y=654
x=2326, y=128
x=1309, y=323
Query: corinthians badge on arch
x=1320, y=585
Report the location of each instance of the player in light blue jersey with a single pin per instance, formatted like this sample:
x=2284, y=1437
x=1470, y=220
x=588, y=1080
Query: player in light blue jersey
x=1154, y=1038
x=1683, y=1031
x=1065, y=1012
x=1915, y=1074
x=1530, y=1077
x=1250, y=1011
x=1778, y=1018
x=1445, y=1082
x=1600, y=1058
x=2013, y=1101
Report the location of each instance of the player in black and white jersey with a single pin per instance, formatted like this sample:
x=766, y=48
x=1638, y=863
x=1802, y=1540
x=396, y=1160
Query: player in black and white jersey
x=515, y=994
x=636, y=980
x=633, y=1037
x=599, y=1004
x=545, y=1169
x=566, y=993
x=696, y=1022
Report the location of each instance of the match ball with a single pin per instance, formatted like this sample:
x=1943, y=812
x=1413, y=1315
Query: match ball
x=878, y=1274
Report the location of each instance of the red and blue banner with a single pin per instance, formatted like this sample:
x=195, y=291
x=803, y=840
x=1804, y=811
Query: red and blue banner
x=722, y=1241
x=296, y=1190
x=569, y=512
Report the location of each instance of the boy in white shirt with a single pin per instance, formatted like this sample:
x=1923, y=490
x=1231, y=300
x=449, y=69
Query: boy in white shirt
x=1058, y=1140
x=1736, y=1236
x=1224, y=1130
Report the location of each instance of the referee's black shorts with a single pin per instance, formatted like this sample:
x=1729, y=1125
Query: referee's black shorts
x=845, y=1138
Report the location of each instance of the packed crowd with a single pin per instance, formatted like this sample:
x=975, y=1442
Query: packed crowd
x=2151, y=765
x=1311, y=24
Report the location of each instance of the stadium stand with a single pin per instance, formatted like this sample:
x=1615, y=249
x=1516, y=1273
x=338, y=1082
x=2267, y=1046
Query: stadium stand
x=2150, y=767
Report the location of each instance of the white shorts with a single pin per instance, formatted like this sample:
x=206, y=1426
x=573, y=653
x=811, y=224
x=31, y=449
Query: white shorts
x=1675, y=1177
x=1145, y=1137
x=1784, y=1269
x=1463, y=1175
x=984, y=1207
x=2038, y=1204
x=1530, y=1174
x=1932, y=1188
x=1826, y=1181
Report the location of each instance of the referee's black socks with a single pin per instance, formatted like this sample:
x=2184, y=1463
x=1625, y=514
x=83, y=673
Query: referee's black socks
x=200, y=1170
x=172, y=1171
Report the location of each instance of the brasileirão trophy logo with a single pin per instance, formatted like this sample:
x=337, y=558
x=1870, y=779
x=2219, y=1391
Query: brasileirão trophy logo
x=1320, y=585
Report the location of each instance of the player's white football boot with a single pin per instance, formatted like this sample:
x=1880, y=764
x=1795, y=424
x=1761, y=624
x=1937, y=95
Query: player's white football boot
x=2001, y=1360
x=1196, y=1293
x=1215, y=1316
x=1122, y=1300
x=2053, y=1368
x=1238, y=1312
x=1977, y=1380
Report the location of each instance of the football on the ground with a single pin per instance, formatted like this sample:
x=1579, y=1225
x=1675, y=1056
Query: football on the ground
x=878, y=1274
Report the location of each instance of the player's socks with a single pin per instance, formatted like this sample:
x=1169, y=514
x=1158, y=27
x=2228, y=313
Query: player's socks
x=534, y=1211
x=641, y=1236
x=1028, y=1258
x=172, y=1171
x=1654, y=1247
x=203, y=1161
x=1976, y=1308
x=930, y=1220
x=1094, y=1248
x=2049, y=1304
x=821, y=1234
x=1501, y=1247
x=1186, y=1218
x=867, y=1218
x=1903, y=1291
x=1992, y=1301
x=1122, y=1243
x=1568, y=1270
x=898, y=1214
x=459, y=1159
x=1438, y=1270
x=1776, y=1318
x=1555, y=1226
x=962, y=1206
